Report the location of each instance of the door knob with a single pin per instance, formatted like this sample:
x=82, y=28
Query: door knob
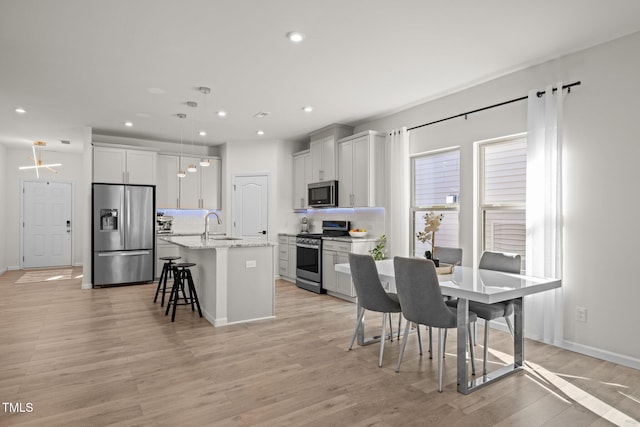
x=262, y=232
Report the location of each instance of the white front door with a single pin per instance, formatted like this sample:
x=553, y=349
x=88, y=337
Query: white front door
x=250, y=206
x=46, y=236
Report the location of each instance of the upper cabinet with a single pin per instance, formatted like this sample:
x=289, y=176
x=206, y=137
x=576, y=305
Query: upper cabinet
x=167, y=185
x=323, y=151
x=201, y=189
x=361, y=170
x=301, y=177
x=123, y=166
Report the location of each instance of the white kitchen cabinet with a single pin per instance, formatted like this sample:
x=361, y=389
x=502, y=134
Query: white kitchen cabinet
x=361, y=170
x=301, y=177
x=210, y=185
x=123, y=166
x=323, y=159
x=287, y=257
x=167, y=185
x=292, y=258
x=323, y=151
x=200, y=189
x=337, y=252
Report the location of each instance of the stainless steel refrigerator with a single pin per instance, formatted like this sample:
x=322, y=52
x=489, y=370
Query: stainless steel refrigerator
x=123, y=233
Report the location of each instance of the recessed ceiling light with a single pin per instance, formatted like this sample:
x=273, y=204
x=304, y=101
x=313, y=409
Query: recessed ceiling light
x=20, y=110
x=203, y=133
x=260, y=132
x=307, y=109
x=222, y=113
x=295, y=36
x=128, y=124
x=261, y=114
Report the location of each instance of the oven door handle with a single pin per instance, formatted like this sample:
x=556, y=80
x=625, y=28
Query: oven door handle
x=301, y=245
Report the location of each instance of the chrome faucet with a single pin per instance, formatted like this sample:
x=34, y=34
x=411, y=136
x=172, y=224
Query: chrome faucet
x=205, y=235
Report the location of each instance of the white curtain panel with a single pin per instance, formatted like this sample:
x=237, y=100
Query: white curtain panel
x=398, y=192
x=543, y=312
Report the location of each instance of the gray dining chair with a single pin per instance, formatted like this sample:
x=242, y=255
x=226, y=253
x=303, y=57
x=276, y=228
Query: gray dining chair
x=421, y=301
x=446, y=255
x=371, y=295
x=497, y=261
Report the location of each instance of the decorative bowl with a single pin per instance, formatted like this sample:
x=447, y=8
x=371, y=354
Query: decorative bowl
x=358, y=233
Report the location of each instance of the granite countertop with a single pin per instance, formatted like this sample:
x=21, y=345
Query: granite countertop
x=288, y=234
x=196, y=242
x=177, y=234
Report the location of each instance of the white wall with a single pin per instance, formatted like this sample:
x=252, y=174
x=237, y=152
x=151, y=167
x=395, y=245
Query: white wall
x=601, y=154
x=70, y=171
x=263, y=157
x=3, y=208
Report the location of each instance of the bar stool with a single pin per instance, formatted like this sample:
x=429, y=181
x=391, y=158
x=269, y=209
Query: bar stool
x=182, y=274
x=167, y=271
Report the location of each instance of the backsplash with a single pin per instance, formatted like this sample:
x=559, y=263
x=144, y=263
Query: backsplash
x=371, y=219
x=192, y=221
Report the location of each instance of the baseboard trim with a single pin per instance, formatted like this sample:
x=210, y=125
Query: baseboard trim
x=598, y=353
x=14, y=267
x=3, y=270
x=87, y=286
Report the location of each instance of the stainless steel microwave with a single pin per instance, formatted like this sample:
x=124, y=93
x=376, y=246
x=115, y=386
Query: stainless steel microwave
x=323, y=194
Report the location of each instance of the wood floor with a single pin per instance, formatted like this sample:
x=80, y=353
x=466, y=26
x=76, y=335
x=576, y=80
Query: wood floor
x=110, y=357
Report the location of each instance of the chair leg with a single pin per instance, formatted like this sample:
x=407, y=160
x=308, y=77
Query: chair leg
x=471, y=352
x=162, y=273
x=486, y=347
x=404, y=343
x=444, y=353
x=382, y=339
x=509, y=325
x=399, y=324
x=355, y=332
x=390, y=327
x=419, y=338
x=193, y=293
x=430, y=343
x=440, y=357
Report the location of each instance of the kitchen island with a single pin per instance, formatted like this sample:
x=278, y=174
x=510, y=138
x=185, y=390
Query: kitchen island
x=234, y=278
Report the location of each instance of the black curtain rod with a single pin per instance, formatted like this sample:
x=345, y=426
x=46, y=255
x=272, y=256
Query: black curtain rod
x=522, y=98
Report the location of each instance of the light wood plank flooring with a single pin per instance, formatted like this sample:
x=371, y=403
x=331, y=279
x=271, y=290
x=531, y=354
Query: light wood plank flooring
x=110, y=357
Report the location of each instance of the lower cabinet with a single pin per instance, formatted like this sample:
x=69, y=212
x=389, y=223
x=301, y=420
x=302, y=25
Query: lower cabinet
x=337, y=252
x=287, y=257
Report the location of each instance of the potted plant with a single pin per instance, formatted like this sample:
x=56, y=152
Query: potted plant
x=431, y=225
x=378, y=252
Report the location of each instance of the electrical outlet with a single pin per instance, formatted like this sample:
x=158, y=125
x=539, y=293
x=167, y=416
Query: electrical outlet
x=581, y=314
x=250, y=264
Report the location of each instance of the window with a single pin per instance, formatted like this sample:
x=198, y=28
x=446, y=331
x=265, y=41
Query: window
x=435, y=188
x=503, y=190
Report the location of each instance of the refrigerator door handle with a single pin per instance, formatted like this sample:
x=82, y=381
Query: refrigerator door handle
x=127, y=253
x=127, y=203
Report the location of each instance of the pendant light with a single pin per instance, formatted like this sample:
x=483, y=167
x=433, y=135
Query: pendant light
x=204, y=162
x=181, y=173
x=192, y=168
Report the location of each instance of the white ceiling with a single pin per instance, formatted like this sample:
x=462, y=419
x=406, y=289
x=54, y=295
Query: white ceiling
x=76, y=63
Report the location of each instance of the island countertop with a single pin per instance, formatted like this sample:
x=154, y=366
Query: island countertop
x=196, y=242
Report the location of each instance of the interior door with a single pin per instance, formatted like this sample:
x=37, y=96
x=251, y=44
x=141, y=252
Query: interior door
x=250, y=207
x=47, y=232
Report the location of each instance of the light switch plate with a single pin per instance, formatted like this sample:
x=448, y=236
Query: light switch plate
x=250, y=263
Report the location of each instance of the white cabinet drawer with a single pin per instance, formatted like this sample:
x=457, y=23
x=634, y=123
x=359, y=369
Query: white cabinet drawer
x=333, y=245
x=283, y=240
x=283, y=252
x=292, y=240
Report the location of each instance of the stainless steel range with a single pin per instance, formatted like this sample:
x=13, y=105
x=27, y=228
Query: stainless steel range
x=309, y=255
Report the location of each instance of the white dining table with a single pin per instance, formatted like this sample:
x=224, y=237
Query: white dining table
x=486, y=286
